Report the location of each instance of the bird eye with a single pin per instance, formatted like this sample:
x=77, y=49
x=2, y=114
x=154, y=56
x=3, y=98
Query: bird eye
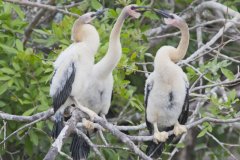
x=133, y=7
x=171, y=16
x=92, y=15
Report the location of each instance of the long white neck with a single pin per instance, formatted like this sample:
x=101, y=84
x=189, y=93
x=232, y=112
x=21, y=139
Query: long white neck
x=113, y=55
x=87, y=34
x=183, y=44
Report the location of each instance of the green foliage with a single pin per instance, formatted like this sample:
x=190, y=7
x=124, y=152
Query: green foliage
x=25, y=73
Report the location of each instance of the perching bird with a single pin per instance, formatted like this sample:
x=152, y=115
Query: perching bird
x=72, y=69
x=91, y=85
x=102, y=71
x=166, y=90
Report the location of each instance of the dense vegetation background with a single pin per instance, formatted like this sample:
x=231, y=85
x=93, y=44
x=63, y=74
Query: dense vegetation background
x=26, y=69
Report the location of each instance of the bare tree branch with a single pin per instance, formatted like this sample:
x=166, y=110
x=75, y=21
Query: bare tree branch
x=23, y=127
x=34, y=22
x=189, y=126
x=123, y=137
x=44, y=6
x=10, y=117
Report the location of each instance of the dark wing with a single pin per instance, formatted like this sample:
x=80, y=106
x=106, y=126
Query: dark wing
x=184, y=114
x=61, y=85
x=148, y=89
x=153, y=150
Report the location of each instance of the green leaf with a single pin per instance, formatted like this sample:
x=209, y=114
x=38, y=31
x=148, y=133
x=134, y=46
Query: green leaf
x=95, y=4
x=7, y=71
x=232, y=94
x=133, y=56
x=136, y=103
x=125, y=50
x=28, y=146
x=48, y=70
x=3, y=88
x=180, y=145
x=227, y=73
x=5, y=16
x=16, y=66
x=112, y=13
x=202, y=133
x=2, y=104
x=19, y=45
x=5, y=78
x=41, y=32
x=8, y=49
x=34, y=138
x=28, y=112
x=18, y=10
x=151, y=15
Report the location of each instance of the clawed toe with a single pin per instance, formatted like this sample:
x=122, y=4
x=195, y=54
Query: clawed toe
x=88, y=124
x=179, y=129
x=160, y=137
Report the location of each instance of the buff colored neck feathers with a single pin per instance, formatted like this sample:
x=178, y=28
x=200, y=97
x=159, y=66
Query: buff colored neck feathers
x=86, y=33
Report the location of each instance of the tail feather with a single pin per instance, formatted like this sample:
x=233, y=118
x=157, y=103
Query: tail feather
x=79, y=148
x=58, y=125
x=155, y=150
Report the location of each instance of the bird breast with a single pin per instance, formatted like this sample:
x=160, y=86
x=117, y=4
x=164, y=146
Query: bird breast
x=92, y=92
x=166, y=100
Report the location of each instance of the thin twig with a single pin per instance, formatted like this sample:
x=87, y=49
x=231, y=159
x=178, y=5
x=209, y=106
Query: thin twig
x=11, y=117
x=225, y=83
x=34, y=22
x=44, y=6
x=23, y=127
x=220, y=143
x=189, y=126
x=123, y=137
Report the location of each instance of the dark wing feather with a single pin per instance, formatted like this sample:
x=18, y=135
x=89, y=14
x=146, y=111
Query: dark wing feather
x=152, y=149
x=79, y=147
x=60, y=96
x=63, y=93
x=184, y=114
x=148, y=88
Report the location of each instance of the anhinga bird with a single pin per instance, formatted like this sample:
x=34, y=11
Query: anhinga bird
x=72, y=69
x=102, y=71
x=166, y=90
x=76, y=75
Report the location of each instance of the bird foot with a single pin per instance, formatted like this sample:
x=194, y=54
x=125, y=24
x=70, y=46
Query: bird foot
x=160, y=137
x=86, y=110
x=91, y=114
x=103, y=116
x=88, y=124
x=179, y=129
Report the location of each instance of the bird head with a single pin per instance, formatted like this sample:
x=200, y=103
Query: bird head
x=88, y=17
x=171, y=19
x=82, y=30
x=132, y=10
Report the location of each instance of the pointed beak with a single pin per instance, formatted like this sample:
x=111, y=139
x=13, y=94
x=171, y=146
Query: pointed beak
x=100, y=12
x=164, y=14
x=141, y=8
